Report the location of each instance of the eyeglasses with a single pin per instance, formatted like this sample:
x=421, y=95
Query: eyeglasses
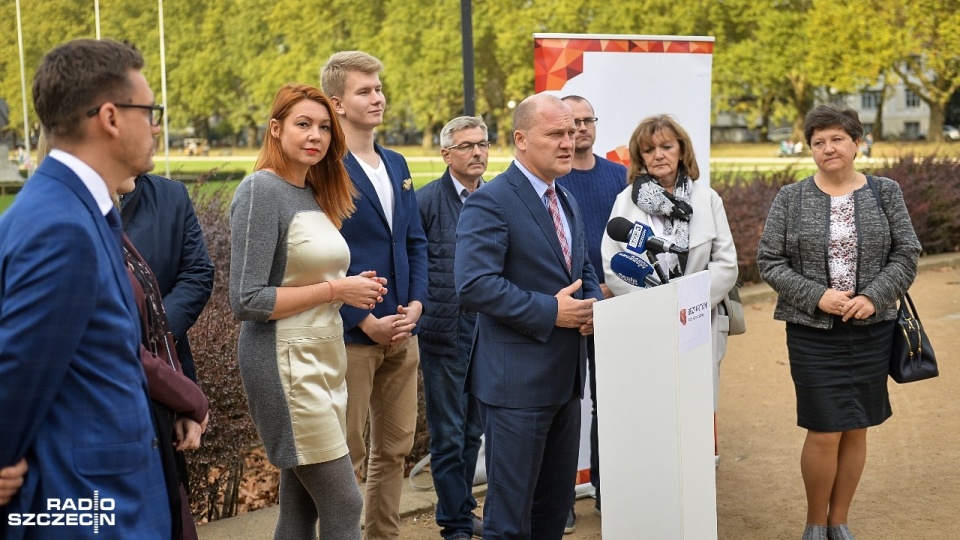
x=468, y=146
x=587, y=121
x=156, y=111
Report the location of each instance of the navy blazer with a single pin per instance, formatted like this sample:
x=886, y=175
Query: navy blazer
x=400, y=255
x=508, y=267
x=159, y=219
x=73, y=397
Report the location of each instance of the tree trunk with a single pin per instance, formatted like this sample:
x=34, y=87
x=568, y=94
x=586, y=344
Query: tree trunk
x=802, y=101
x=505, y=129
x=201, y=128
x=937, y=113
x=766, y=106
x=878, y=123
x=426, y=142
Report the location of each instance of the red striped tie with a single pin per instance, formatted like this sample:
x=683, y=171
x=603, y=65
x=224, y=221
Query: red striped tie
x=554, y=208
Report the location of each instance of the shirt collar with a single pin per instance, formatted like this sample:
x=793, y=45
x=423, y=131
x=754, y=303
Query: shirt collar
x=93, y=181
x=538, y=185
x=459, y=187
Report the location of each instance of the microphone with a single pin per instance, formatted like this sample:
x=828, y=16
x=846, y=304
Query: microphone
x=632, y=269
x=658, y=266
x=639, y=237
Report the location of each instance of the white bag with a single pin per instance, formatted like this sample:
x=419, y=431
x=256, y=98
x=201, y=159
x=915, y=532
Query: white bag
x=734, y=308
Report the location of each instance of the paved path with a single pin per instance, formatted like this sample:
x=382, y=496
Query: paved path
x=759, y=492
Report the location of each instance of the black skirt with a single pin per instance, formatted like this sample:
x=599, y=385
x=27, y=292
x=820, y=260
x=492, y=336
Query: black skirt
x=840, y=374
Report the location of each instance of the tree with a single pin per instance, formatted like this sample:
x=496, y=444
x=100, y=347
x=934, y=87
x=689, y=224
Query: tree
x=200, y=67
x=45, y=23
x=772, y=59
x=504, y=59
x=927, y=37
x=424, y=72
x=856, y=58
x=764, y=68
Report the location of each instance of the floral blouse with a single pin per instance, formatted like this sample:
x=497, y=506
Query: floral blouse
x=842, y=247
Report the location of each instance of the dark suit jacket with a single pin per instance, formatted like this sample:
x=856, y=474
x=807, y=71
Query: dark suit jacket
x=159, y=219
x=509, y=265
x=400, y=255
x=73, y=397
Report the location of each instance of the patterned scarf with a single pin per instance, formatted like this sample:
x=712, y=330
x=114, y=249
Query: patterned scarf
x=156, y=334
x=675, y=207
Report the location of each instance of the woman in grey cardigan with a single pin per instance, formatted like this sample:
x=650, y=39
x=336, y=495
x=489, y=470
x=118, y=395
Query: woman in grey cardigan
x=839, y=249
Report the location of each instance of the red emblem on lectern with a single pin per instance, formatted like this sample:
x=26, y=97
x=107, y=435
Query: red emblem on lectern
x=683, y=317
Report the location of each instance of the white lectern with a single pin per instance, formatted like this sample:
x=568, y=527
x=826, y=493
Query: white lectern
x=655, y=383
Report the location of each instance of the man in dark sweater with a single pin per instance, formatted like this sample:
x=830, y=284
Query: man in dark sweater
x=446, y=331
x=595, y=182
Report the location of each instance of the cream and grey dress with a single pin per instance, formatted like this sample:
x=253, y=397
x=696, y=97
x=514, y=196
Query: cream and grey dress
x=293, y=369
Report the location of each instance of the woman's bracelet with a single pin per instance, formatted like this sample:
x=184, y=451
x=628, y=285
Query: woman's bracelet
x=331, y=292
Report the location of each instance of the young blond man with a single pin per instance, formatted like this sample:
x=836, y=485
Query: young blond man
x=384, y=235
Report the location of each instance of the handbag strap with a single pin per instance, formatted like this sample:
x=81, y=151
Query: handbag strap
x=906, y=301
x=876, y=195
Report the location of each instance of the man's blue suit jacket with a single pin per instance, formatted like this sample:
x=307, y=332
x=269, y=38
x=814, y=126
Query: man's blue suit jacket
x=73, y=396
x=508, y=267
x=159, y=219
x=399, y=255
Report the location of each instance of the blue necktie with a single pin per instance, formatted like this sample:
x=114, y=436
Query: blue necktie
x=116, y=226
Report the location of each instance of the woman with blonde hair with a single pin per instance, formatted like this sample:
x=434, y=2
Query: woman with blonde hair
x=287, y=283
x=664, y=194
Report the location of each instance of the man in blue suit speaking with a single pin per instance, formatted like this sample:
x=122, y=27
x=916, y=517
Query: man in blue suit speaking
x=521, y=263
x=73, y=397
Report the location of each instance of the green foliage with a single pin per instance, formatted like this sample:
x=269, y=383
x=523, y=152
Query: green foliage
x=764, y=69
x=932, y=26
x=47, y=19
x=226, y=59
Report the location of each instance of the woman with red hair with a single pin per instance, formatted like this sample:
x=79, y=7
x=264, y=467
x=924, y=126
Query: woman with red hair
x=287, y=283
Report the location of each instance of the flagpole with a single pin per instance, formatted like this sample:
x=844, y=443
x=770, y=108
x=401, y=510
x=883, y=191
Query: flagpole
x=163, y=92
x=23, y=89
x=96, y=16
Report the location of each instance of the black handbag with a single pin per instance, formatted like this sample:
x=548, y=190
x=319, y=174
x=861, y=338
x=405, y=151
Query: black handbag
x=911, y=358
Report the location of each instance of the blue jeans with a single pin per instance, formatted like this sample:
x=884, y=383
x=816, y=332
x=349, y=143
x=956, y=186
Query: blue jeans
x=455, y=430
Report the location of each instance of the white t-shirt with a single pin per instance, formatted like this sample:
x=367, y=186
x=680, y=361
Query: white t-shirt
x=381, y=182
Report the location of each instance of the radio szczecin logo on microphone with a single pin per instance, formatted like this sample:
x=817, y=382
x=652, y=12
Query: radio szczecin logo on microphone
x=83, y=512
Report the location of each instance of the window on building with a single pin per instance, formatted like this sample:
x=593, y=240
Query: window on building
x=913, y=100
x=869, y=100
x=839, y=99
